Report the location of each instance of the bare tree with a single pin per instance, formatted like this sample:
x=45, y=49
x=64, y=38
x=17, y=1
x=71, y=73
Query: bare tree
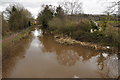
x=72, y=7
x=114, y=8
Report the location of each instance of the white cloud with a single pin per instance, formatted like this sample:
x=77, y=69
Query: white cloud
x=34, y=6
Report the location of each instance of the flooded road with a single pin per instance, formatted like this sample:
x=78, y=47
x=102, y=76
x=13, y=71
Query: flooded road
x=41, y=57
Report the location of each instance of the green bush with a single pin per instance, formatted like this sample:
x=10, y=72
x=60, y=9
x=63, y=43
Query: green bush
x=45, y=16
x=18, y=18
x=113, y=33
x=68, y=26
x=80, y=30
x=62, y=26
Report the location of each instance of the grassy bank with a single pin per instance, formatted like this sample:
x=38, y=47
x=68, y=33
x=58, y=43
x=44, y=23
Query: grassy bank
x=10, y=41
x=80, y=30
x=98, y=47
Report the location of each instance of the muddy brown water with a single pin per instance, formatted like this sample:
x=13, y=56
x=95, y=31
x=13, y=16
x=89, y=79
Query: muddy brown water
x=40, y=56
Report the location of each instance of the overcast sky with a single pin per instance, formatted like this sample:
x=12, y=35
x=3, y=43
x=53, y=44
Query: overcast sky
x=34, y=6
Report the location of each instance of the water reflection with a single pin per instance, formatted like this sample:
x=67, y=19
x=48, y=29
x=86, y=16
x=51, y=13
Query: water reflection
x=68, y=58
x=0, y=60
x=100, y=61
x=74, y=55
x=37, y=32
x=42, y=57
x=67, y=52
x=109, y=66
x=14, y=54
